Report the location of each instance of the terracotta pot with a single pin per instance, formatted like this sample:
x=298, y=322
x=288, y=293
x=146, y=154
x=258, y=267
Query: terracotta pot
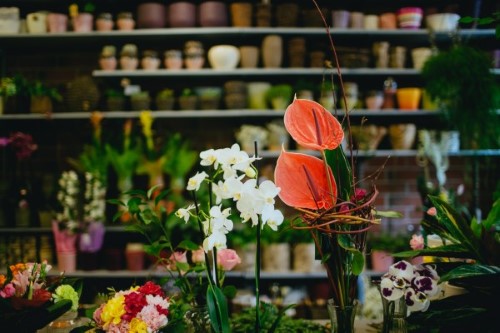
x=387, y=21
x=263, y=15
x=182, y=14
x=134, y=256
x=83, y=22
x=108, y=63
x=125, y=21
x=173, y=59
x=317, y=59
x=41, y=104
x=356, y=20
x=249, y=56
x=408, y=98
x=129, y=63
x=194, y=61
x=57, y=22
x=402, y=136
x=104, y=22
x=272, y=51
x=287, y=15
x=151, y=15
x=381, y=261
x=212, y=14
x=241, y=14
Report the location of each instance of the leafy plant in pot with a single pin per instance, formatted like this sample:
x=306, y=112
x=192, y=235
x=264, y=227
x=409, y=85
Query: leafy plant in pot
x=280, y=96
x=188, y=100
x=115, y=100
x=461, y=81
x=42, y=97
x=165, y=99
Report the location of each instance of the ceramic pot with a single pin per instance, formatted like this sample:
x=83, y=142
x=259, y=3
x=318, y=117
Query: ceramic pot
x=66, y=262
x=304, y=259
x=276, y=257
x=104, y=22
x=241, y=14
x=296, y=52
x=367, y=137
x=381, y=54
x=419, y=56
x=249, y=56
x=173, y=59
x=356, y=20
x=188, y=102
x=263, y=15
x=317, y=59
x=182, y=14
x=36, y=22
x=340, y=19
x=408, y=98
x=397, y=57
x=410, y=17
x=41, y=104
x=115, y=103
x=194, y=61
x=10, y=22
x=212, y=14
x=381, y=261
x=257, y=94
x=442, y=21
x=387, y=21
x=150, y=60
x=108, y=63
x=374, y=99
x=370, y=22
x=223, y=57
x=272, y=51
x=165, y=103
x=287, y=15
x=129, y=63
x=125, y=21
x=134, y=256
x=83, y=22
x=311, y=18
x=151, y=15
x=236, y=101
x=57, y=22
x=402, y=136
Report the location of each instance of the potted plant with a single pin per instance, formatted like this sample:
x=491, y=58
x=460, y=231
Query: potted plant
x=17, y=96
x=209, y=97
x=304, y=89
x=327, y=95
x=382, y=246
x=165, y=99
x=461, y=80
x=7, y=88
x=140, y=101
x=115, y=100
x=42, y=97
x=280, y=96
x=188, y=100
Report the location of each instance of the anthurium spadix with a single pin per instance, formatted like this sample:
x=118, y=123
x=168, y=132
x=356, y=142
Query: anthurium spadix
x=312, y=126
x=303, y=180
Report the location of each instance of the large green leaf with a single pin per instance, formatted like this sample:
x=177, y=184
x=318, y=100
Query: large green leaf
x=342, y=172
x=357, y=260
x=445, y=251
x=188, y=245
x=470, y=270
x=218, y=309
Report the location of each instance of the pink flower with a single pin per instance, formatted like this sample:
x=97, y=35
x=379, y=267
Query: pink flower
x=177, y=256
x=359, y=194
x=432, y=211
x=153, y=319
x=97, y=315
x=198, y=256
x=8, y=291
x=227, y=259
x=417, y=242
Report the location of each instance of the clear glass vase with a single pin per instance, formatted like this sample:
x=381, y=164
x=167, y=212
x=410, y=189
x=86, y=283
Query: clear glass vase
x=394, y=316
x=342, y=318
x=197, y=320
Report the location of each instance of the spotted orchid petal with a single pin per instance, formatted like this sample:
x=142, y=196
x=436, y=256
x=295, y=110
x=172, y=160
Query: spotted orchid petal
x=312, y=126
x=416, y=301
x=403, y=270
x=389, y=290
x=303, y=181
x=426, y=285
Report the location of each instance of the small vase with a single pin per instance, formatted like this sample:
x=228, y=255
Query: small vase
x=394, y=315
x=342, y=318
x=66, y=262
x=197, y=320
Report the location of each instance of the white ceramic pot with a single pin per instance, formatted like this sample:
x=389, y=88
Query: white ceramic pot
x=10, y=22
x=36, y=23
x=442, y=21
x=224, y=56
x=304, y=258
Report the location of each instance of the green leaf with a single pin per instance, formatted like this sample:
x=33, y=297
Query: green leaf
x=217, y=309
x=467, y=19
x=188, y=245
x=134, y=205
x=230, y=291
x=358, y=262
x=135, y=228
x=342, y=172
x=139, y=193
x=116, y=202
x=325, y=258
x=161, y=196
x=152, y=190
x=388, y=213
x=182, y=266
x=117, y=216
x=470, y=270
x=445, y=251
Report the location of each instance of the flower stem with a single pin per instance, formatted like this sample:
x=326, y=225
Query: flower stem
x=257, y=261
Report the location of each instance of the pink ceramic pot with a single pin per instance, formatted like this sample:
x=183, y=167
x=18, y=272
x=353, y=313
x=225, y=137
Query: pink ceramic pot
x=151, y=15
x=57, y=22
x=381, y=261
x=410, y=17
x=108, y=63
x=212, y=14
x=83, y=22
x=182, y=15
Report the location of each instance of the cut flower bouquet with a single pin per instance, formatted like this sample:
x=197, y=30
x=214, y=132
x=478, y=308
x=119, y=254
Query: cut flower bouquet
x=29, y=300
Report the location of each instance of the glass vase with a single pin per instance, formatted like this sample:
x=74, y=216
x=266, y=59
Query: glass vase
x=197, y=320
x=342, y=318
x=394, y=315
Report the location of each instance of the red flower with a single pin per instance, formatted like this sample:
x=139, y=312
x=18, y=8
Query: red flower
x=161, y=310
x=150, y=288
x=134, y=302
x=312, y=126
x=303, y=181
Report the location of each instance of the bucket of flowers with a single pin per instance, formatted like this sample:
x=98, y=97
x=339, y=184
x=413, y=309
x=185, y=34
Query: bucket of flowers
x=29, y=299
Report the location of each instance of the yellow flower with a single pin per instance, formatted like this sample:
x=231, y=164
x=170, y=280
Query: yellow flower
x=138, y=326
x=113, y=310
x=146, y=119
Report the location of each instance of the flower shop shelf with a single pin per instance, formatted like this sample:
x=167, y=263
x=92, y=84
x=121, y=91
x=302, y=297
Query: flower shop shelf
x=80, y=39
x=47, y=230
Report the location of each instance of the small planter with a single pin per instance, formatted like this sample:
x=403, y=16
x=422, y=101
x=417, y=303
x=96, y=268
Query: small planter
x=402, y=136
x=173, y=59
x=57, y=22
x=188, y=102
x=151, y=15
x=212, y=14
x=381, y=261
x=263, y=15
x=182, y=15
x=209, y=102
x=36, y=23
x=272, y=51
x=165, y=103
x=41, y=104
x=125, y=21
x=241, y=14
x=104, y=22
x=276, y=257
x=287, y=15
x=249, y=56
x=304, y=258
x=115, y=103
x=83, y=22
x=140, y=103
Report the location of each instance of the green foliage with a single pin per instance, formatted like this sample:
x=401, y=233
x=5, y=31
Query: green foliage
x=284, y=91
x=38, y=88
x=180, y=158
x=7, y=87
x=165, y=93
x=140, y=95
x=461, y=80
x=188, y=92
x=388, y=242
x=273, y=320
x=114, y=93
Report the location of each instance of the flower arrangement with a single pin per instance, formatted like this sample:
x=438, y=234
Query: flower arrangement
x=29, y=301
x=139, y=309
x=416, y=284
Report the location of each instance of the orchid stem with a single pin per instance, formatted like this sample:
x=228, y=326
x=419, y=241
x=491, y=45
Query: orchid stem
x=257, y=259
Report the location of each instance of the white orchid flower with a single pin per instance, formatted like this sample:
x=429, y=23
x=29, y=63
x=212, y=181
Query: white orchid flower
x=184, y=213
x=272, y=217
x=216, y=240
x=209, y=157
x=195, y=181
x=389, y=290
x=268, y=190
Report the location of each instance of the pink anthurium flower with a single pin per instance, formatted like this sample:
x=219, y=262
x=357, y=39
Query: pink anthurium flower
x=312, y=126
x=303, y=181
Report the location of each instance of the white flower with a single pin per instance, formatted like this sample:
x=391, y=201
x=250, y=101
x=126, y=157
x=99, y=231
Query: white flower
x=184, y=213
x=221, y=191
x=268, y=190
x=416, y=301
x=195, y=181
x=231, y=156
x=272, y=217
x=209, y=157
x=217, y=240
x=389, y=290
